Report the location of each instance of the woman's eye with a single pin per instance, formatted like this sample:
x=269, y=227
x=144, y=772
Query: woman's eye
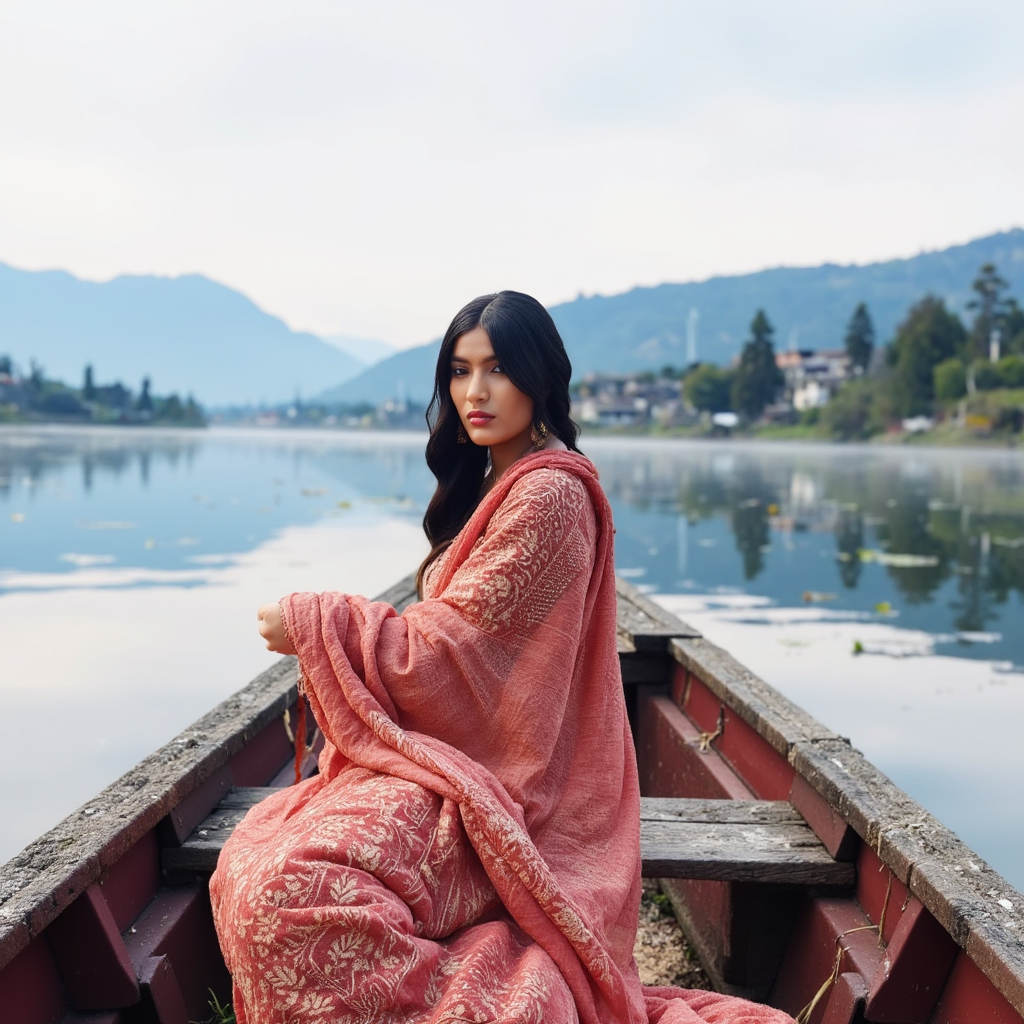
x=497, y=369
x=458, y=371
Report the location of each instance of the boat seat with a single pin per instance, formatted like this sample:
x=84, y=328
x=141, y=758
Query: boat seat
x=724, y=840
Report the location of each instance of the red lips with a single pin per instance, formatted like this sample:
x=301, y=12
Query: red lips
x=479, y=419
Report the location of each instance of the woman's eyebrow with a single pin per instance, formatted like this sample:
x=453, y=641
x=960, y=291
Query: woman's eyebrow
x=489, y=359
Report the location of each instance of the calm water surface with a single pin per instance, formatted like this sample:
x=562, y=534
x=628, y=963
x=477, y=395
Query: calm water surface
x=880, y=589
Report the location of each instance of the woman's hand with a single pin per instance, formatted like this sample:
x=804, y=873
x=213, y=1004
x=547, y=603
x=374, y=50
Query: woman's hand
x=272, y=629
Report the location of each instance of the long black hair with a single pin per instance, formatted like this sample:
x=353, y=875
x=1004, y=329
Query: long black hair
x=532, y=355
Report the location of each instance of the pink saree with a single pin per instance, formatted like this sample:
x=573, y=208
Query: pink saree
x=469, y=850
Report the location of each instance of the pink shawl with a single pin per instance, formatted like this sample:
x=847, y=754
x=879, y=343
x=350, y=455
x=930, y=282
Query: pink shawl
x=501, y=692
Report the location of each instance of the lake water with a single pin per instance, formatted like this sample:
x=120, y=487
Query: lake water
x=881, y=589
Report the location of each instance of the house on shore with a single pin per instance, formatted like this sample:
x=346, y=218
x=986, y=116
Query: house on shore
x=812, y=377
x=627, y=400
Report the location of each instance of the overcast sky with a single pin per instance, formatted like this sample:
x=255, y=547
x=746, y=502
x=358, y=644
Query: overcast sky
x=366, y=168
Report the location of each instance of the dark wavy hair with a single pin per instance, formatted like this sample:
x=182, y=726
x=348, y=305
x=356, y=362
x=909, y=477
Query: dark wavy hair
x=532, y=355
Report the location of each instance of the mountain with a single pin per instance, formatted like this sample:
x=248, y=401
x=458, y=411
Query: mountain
x=646, y=328
x=368, y=351
x=408, y=375
x=187, y=334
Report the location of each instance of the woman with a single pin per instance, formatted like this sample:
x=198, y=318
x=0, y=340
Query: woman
x=469, y=850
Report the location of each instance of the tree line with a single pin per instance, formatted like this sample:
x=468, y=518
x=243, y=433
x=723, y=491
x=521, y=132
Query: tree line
x=933, y=362
x=37, y=397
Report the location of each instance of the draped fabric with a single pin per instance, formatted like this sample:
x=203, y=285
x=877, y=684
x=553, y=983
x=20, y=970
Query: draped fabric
x=469, y=850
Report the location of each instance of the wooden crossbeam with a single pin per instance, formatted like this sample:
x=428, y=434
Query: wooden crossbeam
x=734, y=841
x=726, y=840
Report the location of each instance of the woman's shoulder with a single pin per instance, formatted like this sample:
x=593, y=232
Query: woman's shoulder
x=548, y=485
x=551, y=496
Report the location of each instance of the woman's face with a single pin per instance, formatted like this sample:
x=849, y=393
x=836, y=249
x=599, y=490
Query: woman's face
x=494, y=412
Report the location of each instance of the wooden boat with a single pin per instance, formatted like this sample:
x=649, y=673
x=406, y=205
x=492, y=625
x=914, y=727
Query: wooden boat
x=798, y=870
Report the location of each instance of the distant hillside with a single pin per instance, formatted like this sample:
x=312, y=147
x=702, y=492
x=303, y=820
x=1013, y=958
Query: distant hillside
x=367, y=351
x=188, y=334
x=408, y=374
x=646, y=328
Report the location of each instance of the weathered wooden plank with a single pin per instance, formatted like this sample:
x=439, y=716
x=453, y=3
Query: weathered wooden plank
x=982, y=912
x=778, y=852
x=243, y=797
x=722, y=812
x=733, y=840
x=774, y=717
x=202, y=848
x=645, y=625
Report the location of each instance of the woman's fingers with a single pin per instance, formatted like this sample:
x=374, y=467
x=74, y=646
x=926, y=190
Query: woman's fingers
x=272, y=629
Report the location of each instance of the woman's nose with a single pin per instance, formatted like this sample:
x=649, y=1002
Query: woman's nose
x=477, y=387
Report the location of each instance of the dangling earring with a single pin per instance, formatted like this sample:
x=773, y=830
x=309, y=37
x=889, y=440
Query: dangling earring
x=461, y=435
x=539, y=436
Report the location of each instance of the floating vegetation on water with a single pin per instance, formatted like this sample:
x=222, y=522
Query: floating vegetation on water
x=896, y=560
x=897, y=647
x=884, y=608
x=900, y=647
x=344, y=504
x=817, y=596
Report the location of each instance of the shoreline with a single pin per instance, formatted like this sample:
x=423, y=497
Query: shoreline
x=807, y=436
x=796, y=436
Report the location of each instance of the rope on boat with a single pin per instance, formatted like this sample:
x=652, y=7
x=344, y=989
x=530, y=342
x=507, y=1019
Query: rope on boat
x=707, y=738
x=804, y=1016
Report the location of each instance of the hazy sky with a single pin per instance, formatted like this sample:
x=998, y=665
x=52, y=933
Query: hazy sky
x=365, y=168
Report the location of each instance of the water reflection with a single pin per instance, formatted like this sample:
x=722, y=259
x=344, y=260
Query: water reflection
x=31, y=457
x=935, y=537
x=160, y=500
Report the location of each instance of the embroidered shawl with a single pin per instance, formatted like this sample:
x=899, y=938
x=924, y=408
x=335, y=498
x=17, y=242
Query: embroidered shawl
x=500, y=692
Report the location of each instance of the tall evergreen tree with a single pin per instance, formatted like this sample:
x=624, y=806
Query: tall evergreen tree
x=1013, y=335
x=991, y=310
x=145, y=399
x=88, y=387
x=758, y=379
x=860, y=339
x=930, y=334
